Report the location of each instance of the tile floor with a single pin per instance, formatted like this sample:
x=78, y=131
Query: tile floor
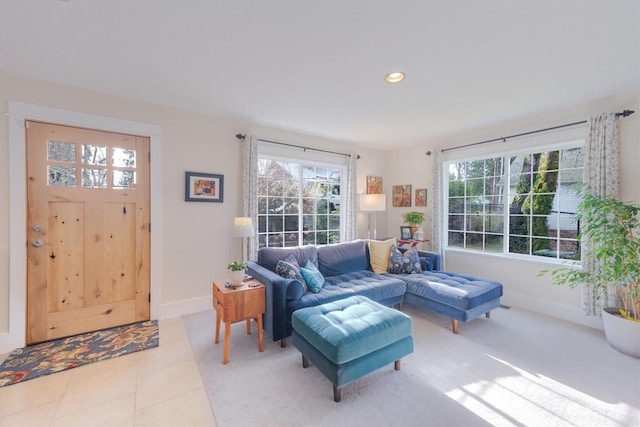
x=157, y=387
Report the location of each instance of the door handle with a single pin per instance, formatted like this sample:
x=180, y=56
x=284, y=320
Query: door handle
x=37, y=243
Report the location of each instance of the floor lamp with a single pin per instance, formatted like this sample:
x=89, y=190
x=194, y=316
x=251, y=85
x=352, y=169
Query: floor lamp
x=243, y=228
x=372, y=203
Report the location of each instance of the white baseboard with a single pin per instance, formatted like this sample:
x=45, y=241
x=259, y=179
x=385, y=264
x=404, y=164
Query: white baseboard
x=544, y=306
x=187, y=306
x=8, y=343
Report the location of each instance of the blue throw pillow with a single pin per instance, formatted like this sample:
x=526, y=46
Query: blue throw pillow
x=313, y=277
x=289, y=269
x=407, y=263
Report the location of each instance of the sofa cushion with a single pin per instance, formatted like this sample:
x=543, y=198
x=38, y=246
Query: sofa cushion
x=364, y=282
x=379, y=252
x=404, y=263
x=269, y=257
x=342, y=258
x=289, y=269
x=456, y=290
x=313, y=277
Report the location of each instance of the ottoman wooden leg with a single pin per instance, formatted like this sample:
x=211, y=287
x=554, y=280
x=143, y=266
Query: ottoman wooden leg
x=336, y=394
x=397, y=363
x=305, y=362
x=455, y=324
x=487, y=314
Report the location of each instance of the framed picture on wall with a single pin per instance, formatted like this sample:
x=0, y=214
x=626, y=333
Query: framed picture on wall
x=421, y=197
x=374, y=185
x=203, y=187
x=401, y=196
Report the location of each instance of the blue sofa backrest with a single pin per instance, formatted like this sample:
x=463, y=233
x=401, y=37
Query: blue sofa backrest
x=342, y=258
x=269, y=257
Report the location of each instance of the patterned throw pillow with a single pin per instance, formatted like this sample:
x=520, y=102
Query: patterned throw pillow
x=407, y=263
x=290, y=269
x=313, y=277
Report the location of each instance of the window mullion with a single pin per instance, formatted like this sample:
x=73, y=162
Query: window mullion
x=506, y=217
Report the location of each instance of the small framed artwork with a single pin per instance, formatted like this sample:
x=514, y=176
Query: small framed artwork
x=401, y=196
x=203, y=187
x=374, y=185
x=421, y=197
x=405, y=233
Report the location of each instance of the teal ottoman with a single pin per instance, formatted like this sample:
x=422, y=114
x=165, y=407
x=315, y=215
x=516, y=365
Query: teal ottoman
x=350, y=338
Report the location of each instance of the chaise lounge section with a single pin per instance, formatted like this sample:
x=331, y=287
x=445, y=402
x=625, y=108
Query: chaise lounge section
x=346, y=271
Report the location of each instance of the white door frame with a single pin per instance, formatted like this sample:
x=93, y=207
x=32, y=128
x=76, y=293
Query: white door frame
x=18, y=113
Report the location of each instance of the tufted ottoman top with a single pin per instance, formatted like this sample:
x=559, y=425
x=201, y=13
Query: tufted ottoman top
x=347, y=329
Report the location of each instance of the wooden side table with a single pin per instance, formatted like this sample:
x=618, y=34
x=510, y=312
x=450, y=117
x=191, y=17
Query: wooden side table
x=411, y=242
x=235, y=305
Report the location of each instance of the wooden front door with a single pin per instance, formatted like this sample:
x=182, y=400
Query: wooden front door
x=88, y=227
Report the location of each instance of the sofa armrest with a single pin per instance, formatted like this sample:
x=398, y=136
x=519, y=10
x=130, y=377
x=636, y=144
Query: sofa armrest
x=431, y=261
x=277, y=291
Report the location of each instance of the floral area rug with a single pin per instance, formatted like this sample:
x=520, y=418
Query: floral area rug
x=67, y=353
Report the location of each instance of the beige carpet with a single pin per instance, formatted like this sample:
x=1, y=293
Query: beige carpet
x=515, y=369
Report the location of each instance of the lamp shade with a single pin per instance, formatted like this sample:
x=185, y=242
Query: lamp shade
x=373, y=202
x=242, y=227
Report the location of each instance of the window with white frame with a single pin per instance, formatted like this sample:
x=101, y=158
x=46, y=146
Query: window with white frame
x=298, y=202
x=517, y=203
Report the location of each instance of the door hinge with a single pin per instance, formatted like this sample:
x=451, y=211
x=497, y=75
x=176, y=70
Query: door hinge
x=149, y=297
x=149, y=155
x=149, y=227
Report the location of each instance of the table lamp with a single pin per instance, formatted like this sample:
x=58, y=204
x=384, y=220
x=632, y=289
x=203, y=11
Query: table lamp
x=243, y=227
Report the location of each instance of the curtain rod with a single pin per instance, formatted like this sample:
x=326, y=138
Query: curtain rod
x=242, y=137
x=624, y=113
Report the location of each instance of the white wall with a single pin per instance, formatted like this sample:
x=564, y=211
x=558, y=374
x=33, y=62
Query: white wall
x=196, y=239
x=412, y=167
x=522, y=286
x=372, y=163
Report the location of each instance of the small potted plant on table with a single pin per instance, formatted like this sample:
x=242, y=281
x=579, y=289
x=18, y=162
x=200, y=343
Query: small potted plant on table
x=236, y=272
x=414, y=219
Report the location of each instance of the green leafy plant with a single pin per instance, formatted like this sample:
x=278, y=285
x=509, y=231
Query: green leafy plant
x=612, y=229
x=413, y=219
x=237, y=266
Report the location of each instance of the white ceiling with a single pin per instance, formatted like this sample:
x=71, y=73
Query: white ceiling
x=318, y=67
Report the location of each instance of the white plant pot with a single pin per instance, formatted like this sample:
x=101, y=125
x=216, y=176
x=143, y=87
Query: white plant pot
x=622, y=334
x=236, y=277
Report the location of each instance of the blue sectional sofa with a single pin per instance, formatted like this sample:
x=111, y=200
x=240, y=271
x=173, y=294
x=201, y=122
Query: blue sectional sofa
x=347, y=271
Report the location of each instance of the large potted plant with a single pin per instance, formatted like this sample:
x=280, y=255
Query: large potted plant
x=612, y=229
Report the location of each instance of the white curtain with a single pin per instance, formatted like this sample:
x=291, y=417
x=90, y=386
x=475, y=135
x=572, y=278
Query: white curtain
x=250, y=190
x=602, y=179
x=351, y=225
x=436, y=202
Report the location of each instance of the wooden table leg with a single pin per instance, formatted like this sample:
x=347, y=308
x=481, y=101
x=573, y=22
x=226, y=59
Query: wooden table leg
x=248, y=326
x=217, y=328
x=260, y=335
x=227, y=338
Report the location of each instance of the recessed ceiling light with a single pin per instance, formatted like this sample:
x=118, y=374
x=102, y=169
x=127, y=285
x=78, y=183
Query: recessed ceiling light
x=394, y=77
